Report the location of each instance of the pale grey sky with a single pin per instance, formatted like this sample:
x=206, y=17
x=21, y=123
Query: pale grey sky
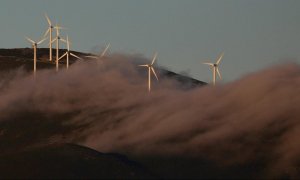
x=253, y=33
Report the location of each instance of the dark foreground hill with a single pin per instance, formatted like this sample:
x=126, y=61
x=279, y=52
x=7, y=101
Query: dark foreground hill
x=68, y=161
x=74, y=161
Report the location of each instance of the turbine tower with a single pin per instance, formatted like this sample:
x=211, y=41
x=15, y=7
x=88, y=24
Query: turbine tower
x=68, y=53
x=215, y=68
x=150, y=68
x=57, y=39
x=34, y=46
x=49, y=31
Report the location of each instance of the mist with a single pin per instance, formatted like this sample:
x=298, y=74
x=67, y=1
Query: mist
x=106, y=106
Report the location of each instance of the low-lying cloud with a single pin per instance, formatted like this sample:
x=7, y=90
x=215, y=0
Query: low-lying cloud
x=107, y=107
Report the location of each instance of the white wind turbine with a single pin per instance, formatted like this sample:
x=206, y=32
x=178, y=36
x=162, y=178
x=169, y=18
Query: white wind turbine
x=150, y=68
x=68, y=53
x=215, y=68
x=49, y=31
x=34, y=46
x=57, y=39
x=105, y=50
x=102, y=54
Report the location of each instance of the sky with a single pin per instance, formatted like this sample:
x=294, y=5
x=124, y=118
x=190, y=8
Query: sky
x=253, y=34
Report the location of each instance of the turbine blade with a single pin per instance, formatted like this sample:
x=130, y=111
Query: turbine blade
x=104, y=52
x=49, y=22
x=63, y=40
x=57, y=31
x=211, y=64
x=62, y=56
x=154, y=58
x=75, y=56
x=53, y=40
x=41, y=41
x=144, y=65
x=220, y=58
x=46, y=33
x=30, y=40
x=219, y=73
x=154, y=73
x=68, y=43
x=59, y=27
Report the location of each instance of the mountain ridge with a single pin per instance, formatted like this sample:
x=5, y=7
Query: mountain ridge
x=23, y=57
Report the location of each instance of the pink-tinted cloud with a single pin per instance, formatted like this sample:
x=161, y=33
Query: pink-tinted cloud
x=108, y=108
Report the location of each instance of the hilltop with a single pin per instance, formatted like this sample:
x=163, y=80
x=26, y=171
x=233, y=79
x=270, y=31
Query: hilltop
x=11, y=59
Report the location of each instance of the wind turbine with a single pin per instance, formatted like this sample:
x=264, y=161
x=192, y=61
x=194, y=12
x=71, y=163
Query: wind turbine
x=68, y=53
x=215, y=67
x=49, y=31
x=34, y=45
x=150, y=68
x=105, y=50
x=102, y=54
x=57, y=39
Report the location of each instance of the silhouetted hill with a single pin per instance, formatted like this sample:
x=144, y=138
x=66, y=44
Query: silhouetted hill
x=68, y=161
x=27, y=53
x=74, y=161
x=182, y=167
x=186, y=81
x=11, y=59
